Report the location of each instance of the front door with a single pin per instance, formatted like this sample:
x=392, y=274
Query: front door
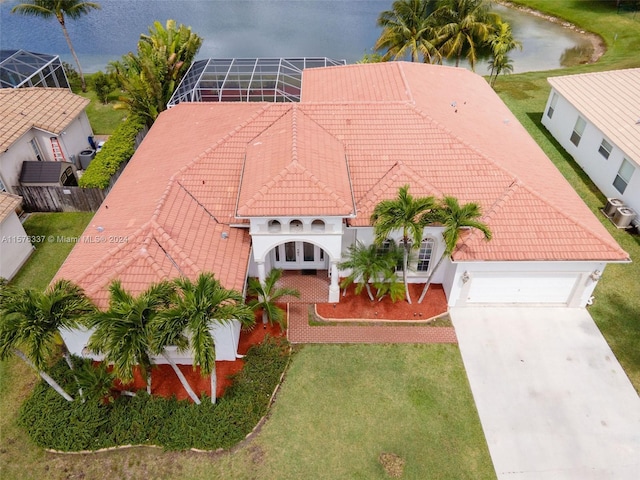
x=298, y=256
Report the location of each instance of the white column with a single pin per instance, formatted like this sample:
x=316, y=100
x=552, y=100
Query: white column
x=261, y=272
x=334, y=288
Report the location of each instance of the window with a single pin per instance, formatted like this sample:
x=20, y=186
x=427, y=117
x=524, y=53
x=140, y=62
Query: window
x=36, y=149
x=424, y=254
x=578, y=130
x=295, y=226
x=552, y=105
x=624, y=176
x=605, y=149
x=2, y=187
x=274, y=226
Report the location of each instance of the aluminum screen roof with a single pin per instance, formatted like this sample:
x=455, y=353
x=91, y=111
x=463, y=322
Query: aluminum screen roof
x=19, y=68
x=246, y=79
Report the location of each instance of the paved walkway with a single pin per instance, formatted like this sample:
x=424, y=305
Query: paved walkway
x=553, y=401
x=301, y=332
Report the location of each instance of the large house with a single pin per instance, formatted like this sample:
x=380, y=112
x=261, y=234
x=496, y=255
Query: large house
x=40, y=125
x=15, y=245
x=596, y=118
x=241, y=188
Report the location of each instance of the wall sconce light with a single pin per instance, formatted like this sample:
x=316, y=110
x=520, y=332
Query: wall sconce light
x=595, y=275
x=465, y=277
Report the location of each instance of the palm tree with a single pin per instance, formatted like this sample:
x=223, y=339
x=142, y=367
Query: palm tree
x=267, y=295
x=463, y=26
x=123, y=332
x=407, y=29
x=197, y=307
x=150, y=77
x=501, y=42
x=367, y=263
x=30, y=321
x=404, y=213
x=73, y=9
x=455, y=218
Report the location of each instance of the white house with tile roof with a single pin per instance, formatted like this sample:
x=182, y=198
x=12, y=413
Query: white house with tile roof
x=241, y=188
x=596, y=119
x=15, y=246
x=32, y=121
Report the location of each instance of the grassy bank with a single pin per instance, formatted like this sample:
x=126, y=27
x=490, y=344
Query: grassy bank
x=617, y=298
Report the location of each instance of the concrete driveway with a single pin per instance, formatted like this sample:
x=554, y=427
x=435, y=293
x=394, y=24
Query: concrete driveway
x=553, y=400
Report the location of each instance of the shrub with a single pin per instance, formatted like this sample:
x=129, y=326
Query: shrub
x=118, y=149
x=103, y=84
x=52, y=422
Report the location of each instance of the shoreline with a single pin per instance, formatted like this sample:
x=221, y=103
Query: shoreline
x=597, y=42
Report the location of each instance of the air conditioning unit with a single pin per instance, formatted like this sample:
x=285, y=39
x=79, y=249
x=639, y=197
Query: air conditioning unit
x=612, y=205
x=623, y=217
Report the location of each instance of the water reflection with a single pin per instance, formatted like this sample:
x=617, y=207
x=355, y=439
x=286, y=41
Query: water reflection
x=244, y=28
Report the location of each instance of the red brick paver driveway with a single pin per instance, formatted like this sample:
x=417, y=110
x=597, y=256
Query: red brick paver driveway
x=300, y=331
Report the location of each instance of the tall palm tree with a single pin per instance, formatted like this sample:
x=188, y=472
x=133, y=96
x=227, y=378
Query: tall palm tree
x=455, y=218
x=367, y=263
x=407, y=29
x=30, y=321
x=123, y=332
x=501, y=42
x=267, y=295
x=73, y=9
x=463, y=26
x=198, y=306
x=403, y=213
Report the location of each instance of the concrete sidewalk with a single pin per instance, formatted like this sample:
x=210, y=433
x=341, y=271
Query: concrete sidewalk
x=553, y=400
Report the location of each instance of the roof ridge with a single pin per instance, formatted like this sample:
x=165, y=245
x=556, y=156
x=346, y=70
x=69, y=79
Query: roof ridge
x=405, y=82
x=325, y=188
x=162, y=237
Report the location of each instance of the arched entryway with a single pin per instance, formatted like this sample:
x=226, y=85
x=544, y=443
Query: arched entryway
x=299, y=255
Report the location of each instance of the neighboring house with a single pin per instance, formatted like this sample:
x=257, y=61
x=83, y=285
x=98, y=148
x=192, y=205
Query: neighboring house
x=15, y=246
x=596, y=119
x=40, y=124
x=241, y=188
x=20, y=69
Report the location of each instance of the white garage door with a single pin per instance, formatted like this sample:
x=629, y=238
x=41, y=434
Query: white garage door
x=522, y=288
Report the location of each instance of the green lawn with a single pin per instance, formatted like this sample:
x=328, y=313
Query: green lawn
x=103, y=118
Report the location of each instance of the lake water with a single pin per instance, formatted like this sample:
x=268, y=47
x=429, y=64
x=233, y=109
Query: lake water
x=261, y=28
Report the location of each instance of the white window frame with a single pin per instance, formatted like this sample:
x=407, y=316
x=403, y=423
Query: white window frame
x=605, y=148
x=37, y=151
x=552, y=105
x=623, y=177
x=425, y=254
x=578, y=131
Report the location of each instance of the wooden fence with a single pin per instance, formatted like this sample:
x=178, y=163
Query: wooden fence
x=69, y=199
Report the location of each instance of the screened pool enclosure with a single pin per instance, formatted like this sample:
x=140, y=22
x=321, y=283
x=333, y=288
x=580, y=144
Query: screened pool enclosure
x=246, y=79
x=19, y=68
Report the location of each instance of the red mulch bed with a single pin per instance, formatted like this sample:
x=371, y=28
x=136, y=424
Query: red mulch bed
x=165, y=383
x=354, y=306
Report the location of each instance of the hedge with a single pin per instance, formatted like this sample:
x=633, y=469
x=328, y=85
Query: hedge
x=118, y=149
x=54, y=423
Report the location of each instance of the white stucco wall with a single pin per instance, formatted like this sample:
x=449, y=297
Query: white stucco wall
x=15, y=247
x=73, y=140
x=522, y=282
x=602, y=171
x=226, y=338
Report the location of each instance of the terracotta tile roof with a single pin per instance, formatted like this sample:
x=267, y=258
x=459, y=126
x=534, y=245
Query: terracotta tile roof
x=8, y=204
x=439, y=129
x=611, y=101
x=295, y=158
x=49, y=109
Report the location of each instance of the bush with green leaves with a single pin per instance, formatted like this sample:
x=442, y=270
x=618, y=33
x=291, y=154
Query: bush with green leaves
x=103, y=84
x=117, y=150
x=54, y=423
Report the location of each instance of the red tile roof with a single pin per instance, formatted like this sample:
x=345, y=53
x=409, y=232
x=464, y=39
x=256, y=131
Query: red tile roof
x=360, y=133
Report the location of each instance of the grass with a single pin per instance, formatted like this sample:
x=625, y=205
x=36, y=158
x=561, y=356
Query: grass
x=104, y=119
x=617, y=297
x=339, y=409
x=49, y=254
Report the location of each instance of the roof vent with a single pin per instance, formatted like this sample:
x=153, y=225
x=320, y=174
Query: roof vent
x=612, y=205
x=224, y=235
x=623, y=217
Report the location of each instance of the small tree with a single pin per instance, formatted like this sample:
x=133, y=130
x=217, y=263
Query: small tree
x=103, y=85
x=368, y=264
x=267, y=295
x=30, y=321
